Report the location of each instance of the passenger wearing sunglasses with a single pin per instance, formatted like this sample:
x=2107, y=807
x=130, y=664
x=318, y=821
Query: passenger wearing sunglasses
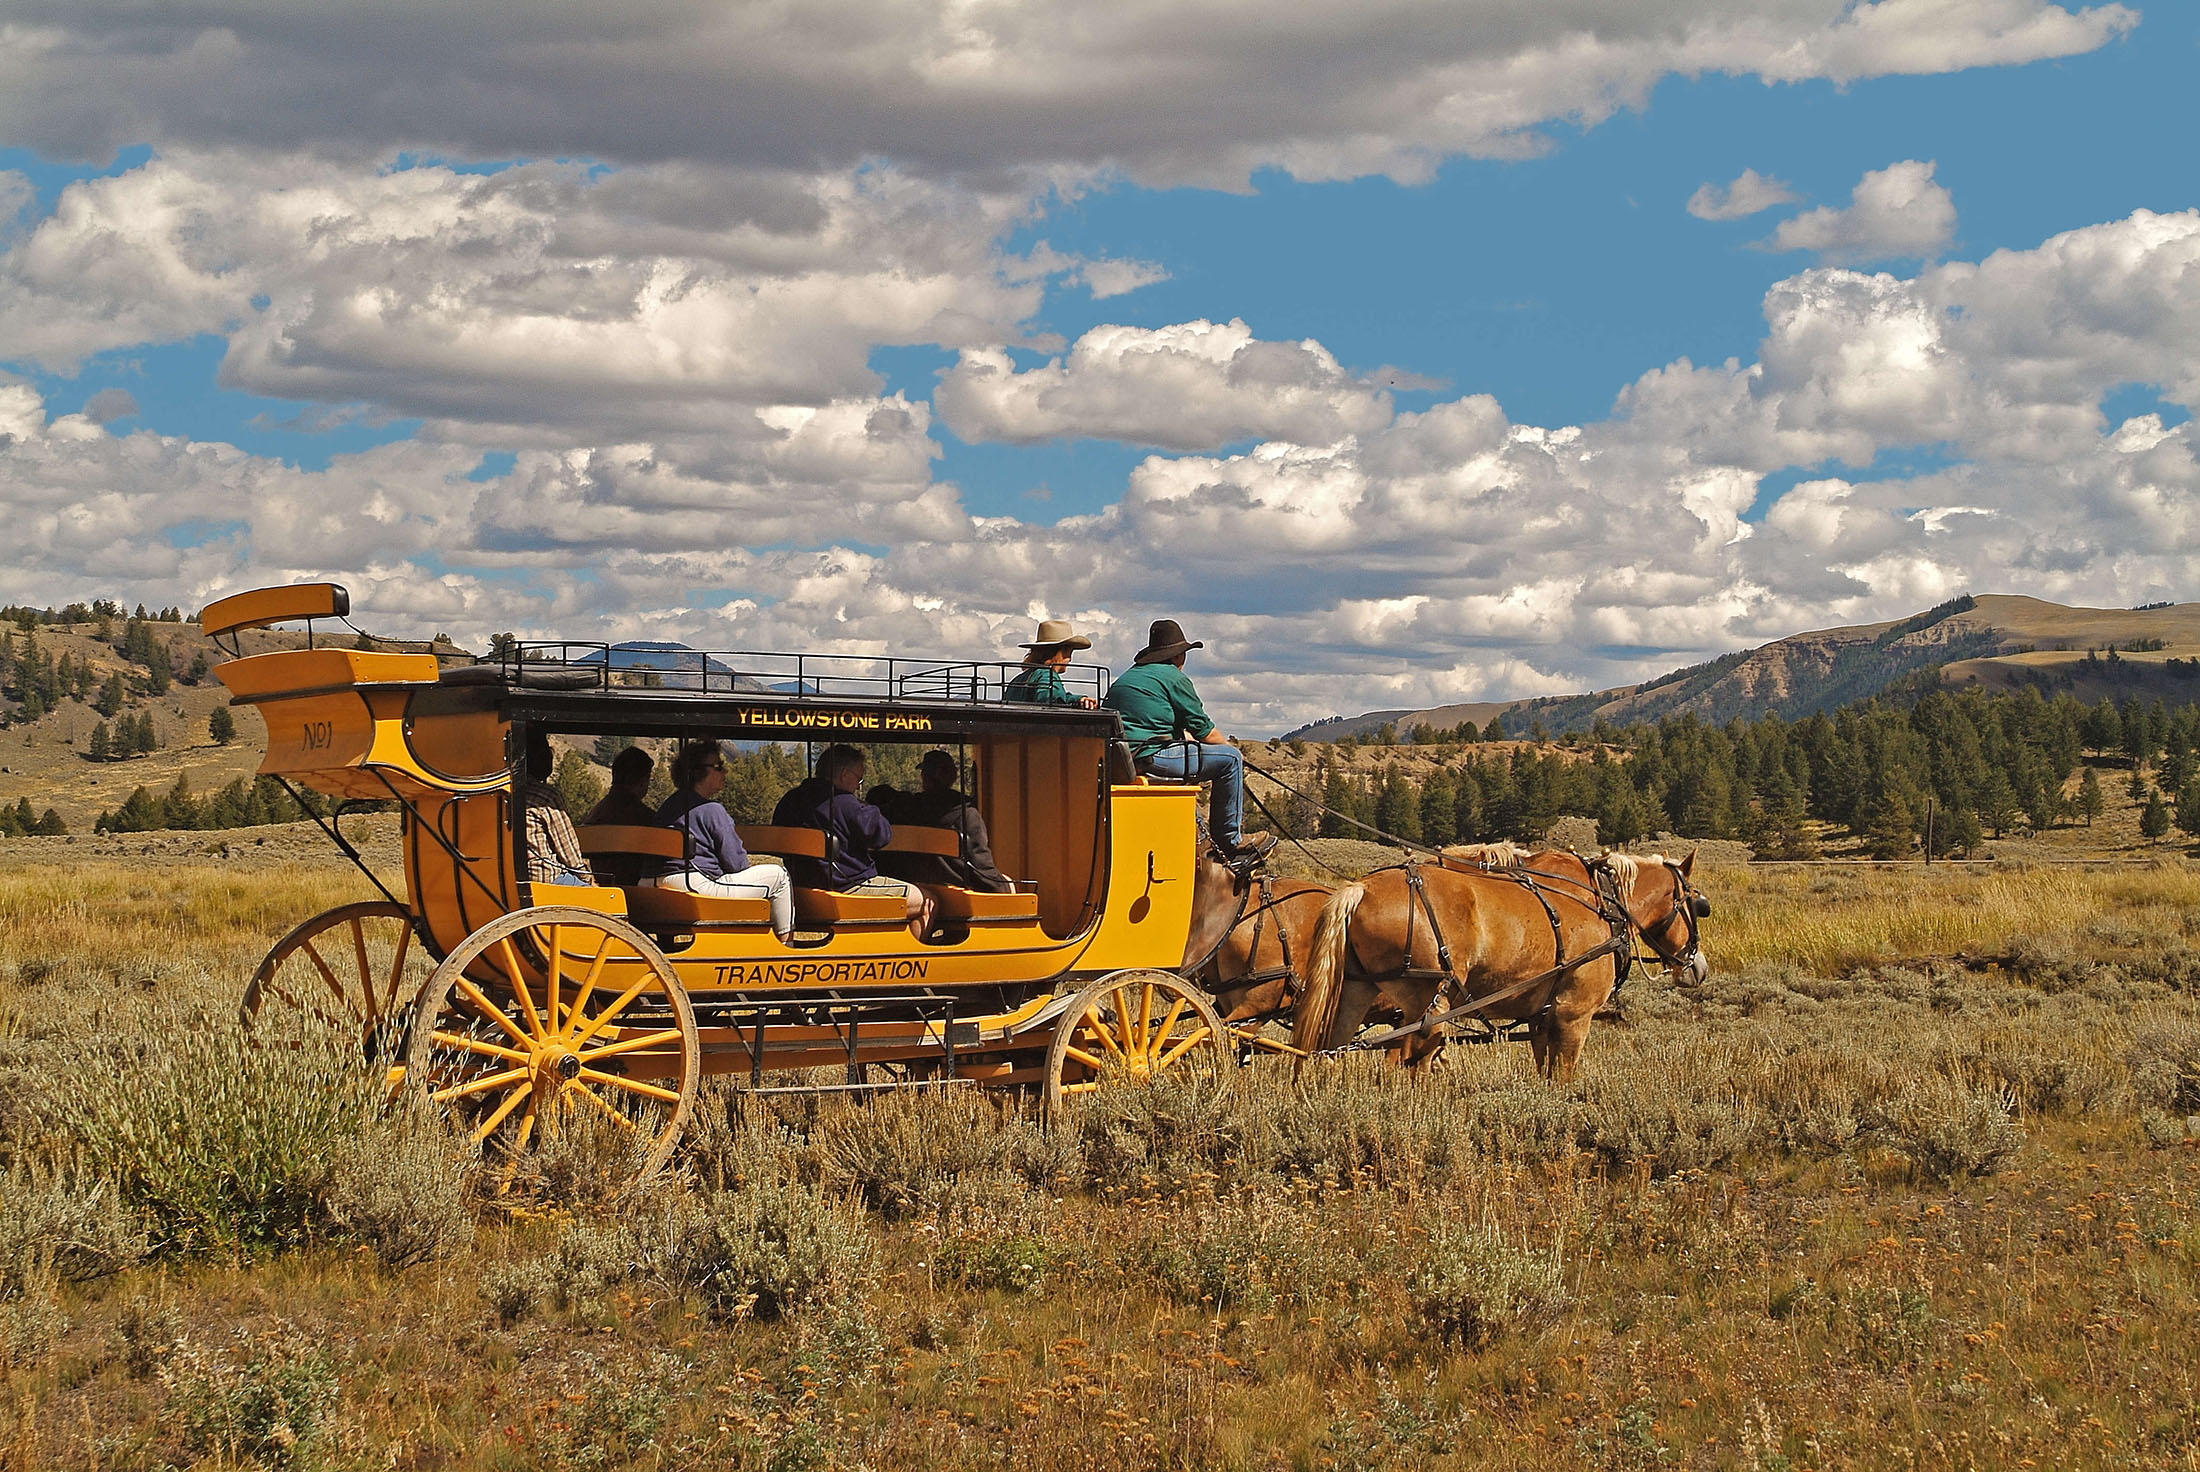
x=717, y=865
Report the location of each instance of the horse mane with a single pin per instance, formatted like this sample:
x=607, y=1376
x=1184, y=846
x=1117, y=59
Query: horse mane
x=1502, y=855
x=1627, y=866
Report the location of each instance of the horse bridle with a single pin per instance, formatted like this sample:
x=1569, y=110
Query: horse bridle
x=1689, y=904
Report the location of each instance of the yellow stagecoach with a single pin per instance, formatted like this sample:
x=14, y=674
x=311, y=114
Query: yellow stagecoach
x=515, y=1005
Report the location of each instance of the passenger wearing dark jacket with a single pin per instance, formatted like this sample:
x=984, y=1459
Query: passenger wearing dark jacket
x=827, y=801
x=940, y=805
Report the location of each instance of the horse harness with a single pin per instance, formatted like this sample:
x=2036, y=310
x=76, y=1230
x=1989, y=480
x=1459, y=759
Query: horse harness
x=1604, y=899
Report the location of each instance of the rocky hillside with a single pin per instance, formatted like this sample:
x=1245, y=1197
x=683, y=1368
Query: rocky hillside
x=1998, y=640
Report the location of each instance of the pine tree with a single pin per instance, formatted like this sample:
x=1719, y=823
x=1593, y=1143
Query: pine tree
x=1893, y=829
x=577, y=782
x=97, y=748
x=2188, y=810
x=1397, y=809
x=179, y=809
x=1439, y=801
x=158, y=670
x=49, y=825
x=221, y=725
x=2154, y=818
x=1337, y=799
x=111, y=696
x=2090, y=802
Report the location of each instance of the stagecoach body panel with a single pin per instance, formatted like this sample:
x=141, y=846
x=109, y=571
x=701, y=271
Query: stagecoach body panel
x=1111, y=866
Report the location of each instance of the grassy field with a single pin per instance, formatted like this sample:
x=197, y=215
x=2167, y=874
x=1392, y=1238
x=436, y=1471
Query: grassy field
x=1909, y=1183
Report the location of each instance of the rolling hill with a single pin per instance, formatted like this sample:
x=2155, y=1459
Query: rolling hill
x=1998, y=640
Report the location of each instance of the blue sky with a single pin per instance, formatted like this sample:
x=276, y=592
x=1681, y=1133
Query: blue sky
x=614, y=358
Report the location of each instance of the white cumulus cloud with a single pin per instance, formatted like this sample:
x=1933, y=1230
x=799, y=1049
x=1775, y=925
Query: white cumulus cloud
x=1188, y=93
x=1750, y=193
x=1897, y=211
x=1194, y=385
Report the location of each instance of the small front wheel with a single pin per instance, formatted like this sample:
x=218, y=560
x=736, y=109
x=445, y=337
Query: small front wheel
x=356, y=969
x=552, y=1014
x=1131, y=1028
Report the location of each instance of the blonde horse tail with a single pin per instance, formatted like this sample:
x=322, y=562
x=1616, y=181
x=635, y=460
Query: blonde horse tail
x=1315, y=1011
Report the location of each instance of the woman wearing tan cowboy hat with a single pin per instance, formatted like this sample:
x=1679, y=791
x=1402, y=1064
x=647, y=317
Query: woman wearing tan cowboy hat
x=1044, y=660
x=1170, y=735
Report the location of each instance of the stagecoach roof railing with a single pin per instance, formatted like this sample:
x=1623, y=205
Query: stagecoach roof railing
x=786, y=674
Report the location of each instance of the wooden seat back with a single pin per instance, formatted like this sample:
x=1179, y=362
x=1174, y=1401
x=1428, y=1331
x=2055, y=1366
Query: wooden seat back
x=798, y=843
x=624, y=838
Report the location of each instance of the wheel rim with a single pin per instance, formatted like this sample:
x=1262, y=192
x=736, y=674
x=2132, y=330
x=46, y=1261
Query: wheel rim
x=357, y=969
x=549, y=1015
x=1133, y=1028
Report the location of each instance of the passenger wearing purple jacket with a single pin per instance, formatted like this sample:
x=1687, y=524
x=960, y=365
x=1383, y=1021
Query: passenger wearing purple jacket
x=716, y=864
x=827, y=801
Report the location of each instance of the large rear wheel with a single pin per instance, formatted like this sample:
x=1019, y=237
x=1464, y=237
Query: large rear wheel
x=552, y=1018
x=356, y=969
x=1132, y=1028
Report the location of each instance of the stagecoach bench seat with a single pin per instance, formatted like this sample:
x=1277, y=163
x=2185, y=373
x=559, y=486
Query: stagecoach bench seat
x=911, y=838
x=658, y=909
x=623, y=838
x=981, y=908
x=831, y=907
x=601, y=897
x=795, y=843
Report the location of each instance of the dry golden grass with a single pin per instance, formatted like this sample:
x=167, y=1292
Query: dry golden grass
x=1843, y=1206
x=1832, y=920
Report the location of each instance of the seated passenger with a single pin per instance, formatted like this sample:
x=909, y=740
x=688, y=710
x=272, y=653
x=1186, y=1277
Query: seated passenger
x=717, y=865
x=940, y=805
x=553, y=849
x=1044, y=660
x=827, y=801
x=627, y=804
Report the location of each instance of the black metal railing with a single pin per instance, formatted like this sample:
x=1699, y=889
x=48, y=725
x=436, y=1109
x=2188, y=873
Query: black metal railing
x=810, y=676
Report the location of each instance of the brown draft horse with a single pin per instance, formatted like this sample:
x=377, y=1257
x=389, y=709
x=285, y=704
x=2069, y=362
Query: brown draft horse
x=1251, y=938
x=1379, y=947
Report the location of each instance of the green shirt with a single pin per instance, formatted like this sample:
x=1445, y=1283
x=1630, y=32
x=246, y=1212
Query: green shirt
x=1158, y=706
x=1039, y=686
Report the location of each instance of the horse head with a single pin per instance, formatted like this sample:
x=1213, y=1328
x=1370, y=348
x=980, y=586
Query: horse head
x=1664, y=905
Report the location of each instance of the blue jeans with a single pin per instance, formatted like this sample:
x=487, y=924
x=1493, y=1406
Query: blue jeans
x=1197, y=761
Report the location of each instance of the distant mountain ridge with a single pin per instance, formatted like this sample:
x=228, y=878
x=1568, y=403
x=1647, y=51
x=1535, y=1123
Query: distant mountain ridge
x=1995, y=639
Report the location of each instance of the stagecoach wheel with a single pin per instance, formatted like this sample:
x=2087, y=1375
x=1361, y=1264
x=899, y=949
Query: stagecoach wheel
x=1133, y=1027
x=552, y=1016
x=356, y=969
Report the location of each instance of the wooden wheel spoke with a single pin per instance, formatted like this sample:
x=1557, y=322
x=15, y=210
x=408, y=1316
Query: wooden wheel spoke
x=602, y=1019
x=629, y=1045
x=1158, y=1038
x=550, y=985
x=588, y=982
x=1088, y=1059
x=1198, y=1037
x=596, y=1099
x=1083, y=1088
x=488, y=1083
x=489, y=1009
x=329, y=977
x=519, y=985
x=631, y=1085
x=519, y=1146
x=397, y=966
x=366, y=972
x=477, y=1046
x=488, y=1127
x=1123, y=1023
x=1100, y=1030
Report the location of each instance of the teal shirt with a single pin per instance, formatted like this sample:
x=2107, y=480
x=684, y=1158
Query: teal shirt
x=1039, y=686
x=1158, y=705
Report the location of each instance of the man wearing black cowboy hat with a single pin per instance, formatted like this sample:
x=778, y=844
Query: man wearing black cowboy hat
x=1171, y=736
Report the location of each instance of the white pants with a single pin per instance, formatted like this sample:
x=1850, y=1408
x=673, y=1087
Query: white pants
x=757, y=881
